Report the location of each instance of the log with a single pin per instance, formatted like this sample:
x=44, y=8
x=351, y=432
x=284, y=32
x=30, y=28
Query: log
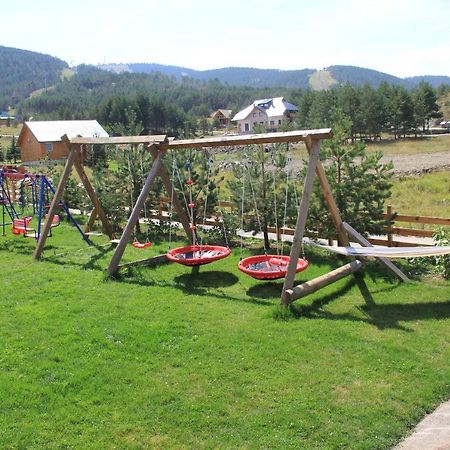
x=315, y=284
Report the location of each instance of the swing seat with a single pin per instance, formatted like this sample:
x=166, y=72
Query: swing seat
x=20, y=226
x=269, y=267
x=137, y=244
x=196, y=255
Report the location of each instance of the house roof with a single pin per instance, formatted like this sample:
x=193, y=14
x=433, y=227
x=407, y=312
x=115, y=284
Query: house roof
x=52, y=131
x=225, y=112
x=272, y=107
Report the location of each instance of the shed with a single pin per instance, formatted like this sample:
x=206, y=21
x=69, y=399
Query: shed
x=42, y=139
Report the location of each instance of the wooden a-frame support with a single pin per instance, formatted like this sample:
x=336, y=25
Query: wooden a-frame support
x=290, y=293
x=73, y=160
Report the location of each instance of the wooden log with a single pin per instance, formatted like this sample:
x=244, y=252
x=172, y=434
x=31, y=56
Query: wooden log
x=119, y=140
x=395, y=243
x=93, y=196
x=134, y=217
x=324, y=280
x=365, y=243
x=301, y=219
x=54, y=205
x=412, y=232
x=249, y=139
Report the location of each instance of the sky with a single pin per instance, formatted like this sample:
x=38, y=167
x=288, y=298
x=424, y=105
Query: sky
x=400, y=37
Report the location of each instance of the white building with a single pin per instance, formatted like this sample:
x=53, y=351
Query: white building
x=268, y=112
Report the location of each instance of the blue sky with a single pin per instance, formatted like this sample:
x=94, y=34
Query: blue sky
x=401, y=37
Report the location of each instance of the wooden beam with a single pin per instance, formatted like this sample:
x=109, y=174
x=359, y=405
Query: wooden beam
x=301, y=220
x=419, y=219
x=249, y=139
x=365, y=243
x=178, y=207
x=93, y=196
x=73, y=155
x=134, y=217
x=92, y=217
x=324, y=280
x=332, y=206
x=119, y=140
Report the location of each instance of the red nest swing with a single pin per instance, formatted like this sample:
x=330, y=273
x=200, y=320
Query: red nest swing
x=196, y=255
x=269, y=267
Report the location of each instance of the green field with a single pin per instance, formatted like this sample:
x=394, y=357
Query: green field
x=411, y=146
x=162, y=358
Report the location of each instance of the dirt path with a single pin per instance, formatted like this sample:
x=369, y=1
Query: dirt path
x=419, y=163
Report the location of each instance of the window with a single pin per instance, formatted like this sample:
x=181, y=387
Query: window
x=48, y=147
x=279, y=121
x=254, y=114
x=272, y=122
x=247, y=127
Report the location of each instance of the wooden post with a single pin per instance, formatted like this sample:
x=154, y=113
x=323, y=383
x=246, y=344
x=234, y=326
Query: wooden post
x=165, y=178
x=389, y=230
x=92, y=218
x=365, y=243
x=314, y=152
x=73, y=154
x=324, y=280
x=93, y=196
x=134, y=217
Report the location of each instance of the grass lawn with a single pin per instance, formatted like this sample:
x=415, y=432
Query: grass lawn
x=163, y=358
x=411, y=146
x=430, y=193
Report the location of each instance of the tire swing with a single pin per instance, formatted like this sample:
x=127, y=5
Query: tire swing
x=267, y=266
x=198, y=253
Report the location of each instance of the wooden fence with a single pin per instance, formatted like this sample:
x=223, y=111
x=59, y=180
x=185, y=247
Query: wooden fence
x=389, y=239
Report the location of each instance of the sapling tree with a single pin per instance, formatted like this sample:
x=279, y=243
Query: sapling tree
x=360, y=183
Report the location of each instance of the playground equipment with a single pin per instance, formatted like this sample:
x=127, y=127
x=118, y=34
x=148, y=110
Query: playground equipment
x=158, y=145
x=41, y=190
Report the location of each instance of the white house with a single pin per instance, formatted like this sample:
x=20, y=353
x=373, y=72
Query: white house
x=269, y=112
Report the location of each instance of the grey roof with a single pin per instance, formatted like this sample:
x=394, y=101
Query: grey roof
x=52, y=131
x=276, y=107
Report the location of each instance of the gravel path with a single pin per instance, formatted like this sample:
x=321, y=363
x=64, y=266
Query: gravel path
x=419, y=163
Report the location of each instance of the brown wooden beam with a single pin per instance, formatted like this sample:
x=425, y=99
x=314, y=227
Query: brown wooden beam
x=134, y=217
x=315, y=284
x=119, y=140
x=249, y=139
x=73, y=155
x=107, y=228
x=365, y=243
x=314, y=153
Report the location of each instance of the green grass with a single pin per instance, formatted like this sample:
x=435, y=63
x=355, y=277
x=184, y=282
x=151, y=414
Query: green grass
x=411, y=146
x=425, y=195
x=162, y=358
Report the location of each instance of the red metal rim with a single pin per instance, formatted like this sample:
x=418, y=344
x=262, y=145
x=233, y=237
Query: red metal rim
x=269, y=267
x=196, y=255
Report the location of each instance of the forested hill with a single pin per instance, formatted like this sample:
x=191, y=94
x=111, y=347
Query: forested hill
x=299, y=79
x=22, y=72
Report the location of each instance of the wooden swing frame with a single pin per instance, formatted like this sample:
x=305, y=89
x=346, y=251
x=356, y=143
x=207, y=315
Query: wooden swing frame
x=158, y=145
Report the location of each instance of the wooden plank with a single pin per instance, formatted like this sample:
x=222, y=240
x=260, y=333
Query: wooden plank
x=365, y=243
x=54, y=205
x=134, y=217
x=93, y=196
x=314, y=153
x=412, y=232
x=384, y=242
x=156, y=139
x=420, y=219
x=249, y=139
x=324, y=280
x=148, y=262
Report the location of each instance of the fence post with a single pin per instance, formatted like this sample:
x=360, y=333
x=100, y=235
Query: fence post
x=389, y=229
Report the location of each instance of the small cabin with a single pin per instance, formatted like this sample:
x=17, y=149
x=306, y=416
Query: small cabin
x=223, y=116
x=42, y=139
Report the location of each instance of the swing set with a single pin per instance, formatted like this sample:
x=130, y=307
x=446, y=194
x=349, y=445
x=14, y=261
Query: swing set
x=262, y=266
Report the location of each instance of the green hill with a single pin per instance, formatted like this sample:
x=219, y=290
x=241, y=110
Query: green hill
x=23, y=72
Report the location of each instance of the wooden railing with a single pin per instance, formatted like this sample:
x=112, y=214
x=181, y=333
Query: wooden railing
x=390, y=239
